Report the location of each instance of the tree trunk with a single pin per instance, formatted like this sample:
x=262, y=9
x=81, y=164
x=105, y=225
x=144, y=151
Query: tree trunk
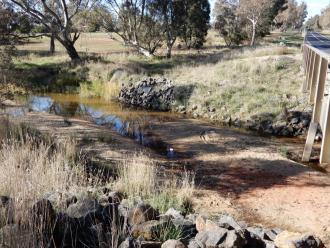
x=71, y=50
x=52, y=43
x=140, y=49
x=253, y=33
x=145, y=52
x=168, y=51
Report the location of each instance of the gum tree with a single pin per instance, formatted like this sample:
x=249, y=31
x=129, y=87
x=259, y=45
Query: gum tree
x=57, y=16
x=256, y=12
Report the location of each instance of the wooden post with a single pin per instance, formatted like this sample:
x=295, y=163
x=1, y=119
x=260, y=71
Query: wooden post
x=310, y=141
x=315, y=78
x=311, y=73
x=303, y=48
x=320, y=91
x=325, y=149
x=306, y=70
x=309, y=70
x=306, y=57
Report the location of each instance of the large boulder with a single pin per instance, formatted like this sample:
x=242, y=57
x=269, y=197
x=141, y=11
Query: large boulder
x=151, y=93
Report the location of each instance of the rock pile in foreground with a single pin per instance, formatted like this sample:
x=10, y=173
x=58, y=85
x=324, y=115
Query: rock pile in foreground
x=112, y=222
x=151, y=93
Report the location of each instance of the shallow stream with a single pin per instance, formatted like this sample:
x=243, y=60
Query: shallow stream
x=133, y=123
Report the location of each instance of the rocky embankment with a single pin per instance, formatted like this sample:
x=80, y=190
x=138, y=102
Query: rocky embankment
x=288, y=124
x=150, y=93
x=158, y=94
x=111, y=221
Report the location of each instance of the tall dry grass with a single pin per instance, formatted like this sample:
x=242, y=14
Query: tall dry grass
x=30, y=167
x=140, y=178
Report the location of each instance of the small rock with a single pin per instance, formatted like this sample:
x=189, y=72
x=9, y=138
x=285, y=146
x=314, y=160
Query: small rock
x=187, y=227
x=174, y=214
x=296, y=240
x=194, y=244
x=172, y=243
x=148, y=230
x=266, y=234
x=294, y=121
x=142, y=213
x=128, y=243
x=82, y=208
x=210, y=225
x=211, y=238
x=200, y=223
x=229, y=223
x=233, y=239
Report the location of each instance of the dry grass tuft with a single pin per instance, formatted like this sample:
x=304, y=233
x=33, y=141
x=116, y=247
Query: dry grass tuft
x=137, y=177
x=140, y=178
x=31, y=167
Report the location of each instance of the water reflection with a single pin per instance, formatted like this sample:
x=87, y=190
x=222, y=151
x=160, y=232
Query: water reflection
x=40, y=104
x=131, y=123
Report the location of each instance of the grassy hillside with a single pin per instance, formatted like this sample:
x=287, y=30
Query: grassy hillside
x=240, y=83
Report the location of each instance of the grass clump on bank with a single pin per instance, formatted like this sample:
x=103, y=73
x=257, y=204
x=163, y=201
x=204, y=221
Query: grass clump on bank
x=97, y=88
x=244, y=87
x=140, y=178
x=31, y=166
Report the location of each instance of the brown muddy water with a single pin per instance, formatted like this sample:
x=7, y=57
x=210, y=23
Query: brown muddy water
x=134, y=123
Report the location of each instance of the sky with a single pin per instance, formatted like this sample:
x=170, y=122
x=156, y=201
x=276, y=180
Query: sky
x=314, y=6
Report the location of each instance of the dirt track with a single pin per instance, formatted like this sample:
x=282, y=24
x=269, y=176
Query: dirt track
x=237, y=173
x=247, y=176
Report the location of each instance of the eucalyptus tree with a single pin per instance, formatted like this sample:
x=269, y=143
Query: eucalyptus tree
x=195, y=21
x=227, y=22
x=293, y=16
x=57, y=16
x=256, y=12
x=135, y=21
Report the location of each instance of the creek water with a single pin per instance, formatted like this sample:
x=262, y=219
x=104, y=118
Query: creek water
x=134, y=123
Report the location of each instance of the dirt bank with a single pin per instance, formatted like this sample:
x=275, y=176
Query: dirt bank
x=247, y=176
x=237, y=173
